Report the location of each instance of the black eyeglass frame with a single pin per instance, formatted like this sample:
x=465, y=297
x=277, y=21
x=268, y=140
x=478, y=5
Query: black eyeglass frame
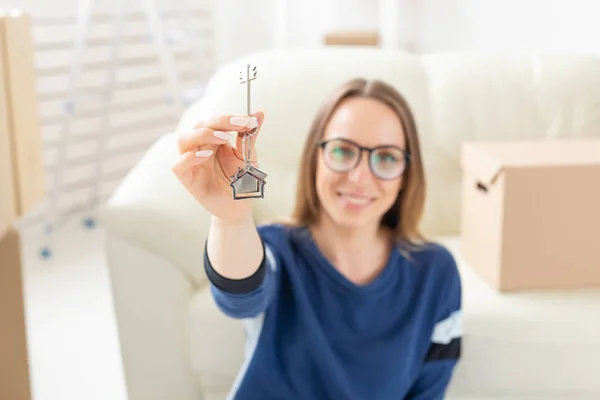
x=369, y=150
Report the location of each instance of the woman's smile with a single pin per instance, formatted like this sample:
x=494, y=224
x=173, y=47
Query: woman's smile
x=355, y=201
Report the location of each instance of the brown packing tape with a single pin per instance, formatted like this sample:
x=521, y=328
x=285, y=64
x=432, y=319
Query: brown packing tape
x=22, y=114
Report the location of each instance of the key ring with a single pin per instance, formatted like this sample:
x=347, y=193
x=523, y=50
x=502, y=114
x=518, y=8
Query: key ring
x=252, y=133
x=246, y=148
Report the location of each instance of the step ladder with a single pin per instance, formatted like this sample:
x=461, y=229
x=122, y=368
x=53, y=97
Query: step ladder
x=175, y=96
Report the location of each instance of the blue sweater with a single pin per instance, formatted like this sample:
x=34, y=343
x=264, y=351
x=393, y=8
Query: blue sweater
x=313, y=334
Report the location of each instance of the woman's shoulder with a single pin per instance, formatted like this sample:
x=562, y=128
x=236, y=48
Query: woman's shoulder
x=431, y=251
x=431, y=257
x=435, y=267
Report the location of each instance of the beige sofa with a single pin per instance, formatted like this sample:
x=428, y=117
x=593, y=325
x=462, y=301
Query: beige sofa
x=176, y=344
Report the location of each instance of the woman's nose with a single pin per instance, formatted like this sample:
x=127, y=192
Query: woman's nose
x=362, y=171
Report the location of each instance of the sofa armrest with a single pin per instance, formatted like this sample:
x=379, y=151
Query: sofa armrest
x=152, y=210
x=151, y=301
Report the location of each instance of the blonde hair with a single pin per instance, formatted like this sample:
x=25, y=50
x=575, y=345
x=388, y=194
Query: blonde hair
x=403, y=218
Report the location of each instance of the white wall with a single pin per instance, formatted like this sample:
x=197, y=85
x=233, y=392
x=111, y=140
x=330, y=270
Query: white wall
x=531, y=25
x=429, y=25
x=244, y=26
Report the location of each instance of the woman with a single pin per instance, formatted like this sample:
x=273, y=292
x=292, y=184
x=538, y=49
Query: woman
x=348, y=301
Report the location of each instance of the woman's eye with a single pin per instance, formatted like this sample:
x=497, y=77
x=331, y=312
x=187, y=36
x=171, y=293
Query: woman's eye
x=343, y=152
x=386, y=158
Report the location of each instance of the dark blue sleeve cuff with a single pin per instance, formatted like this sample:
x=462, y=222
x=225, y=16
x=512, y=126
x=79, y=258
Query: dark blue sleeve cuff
x=235, y=286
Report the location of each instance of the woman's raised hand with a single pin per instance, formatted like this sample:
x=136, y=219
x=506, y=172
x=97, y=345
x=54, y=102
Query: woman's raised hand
x=207, y=160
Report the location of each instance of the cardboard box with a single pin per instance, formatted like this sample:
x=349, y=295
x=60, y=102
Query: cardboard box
x=21, y=187
x=352, y=38
x=7, y=195
x=22, y=179
x=14, y=357
x=531, y=213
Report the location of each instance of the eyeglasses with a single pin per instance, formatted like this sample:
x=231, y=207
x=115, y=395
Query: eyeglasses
x=386, y=162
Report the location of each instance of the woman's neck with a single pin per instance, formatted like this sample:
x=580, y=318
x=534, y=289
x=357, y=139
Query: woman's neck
x=357, y=253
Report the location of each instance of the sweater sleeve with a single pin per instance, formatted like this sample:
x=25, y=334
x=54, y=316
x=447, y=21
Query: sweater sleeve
x=248, y=297
x=445, y=344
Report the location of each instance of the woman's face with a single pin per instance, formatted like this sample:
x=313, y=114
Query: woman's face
x=357, y=198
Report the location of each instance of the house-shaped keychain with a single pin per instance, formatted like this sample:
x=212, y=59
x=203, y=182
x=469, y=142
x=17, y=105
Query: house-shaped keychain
x=248, y=182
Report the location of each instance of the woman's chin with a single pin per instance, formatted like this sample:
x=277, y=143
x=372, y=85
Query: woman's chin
x=353, y=220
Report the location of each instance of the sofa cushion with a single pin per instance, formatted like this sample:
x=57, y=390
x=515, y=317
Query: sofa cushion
x=543, y=343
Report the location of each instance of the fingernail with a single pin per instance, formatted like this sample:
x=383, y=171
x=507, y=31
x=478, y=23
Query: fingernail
x=223, y=135
x=248, y=122
x=203, y=153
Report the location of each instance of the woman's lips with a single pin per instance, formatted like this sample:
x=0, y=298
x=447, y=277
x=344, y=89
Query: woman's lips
x=354, y=200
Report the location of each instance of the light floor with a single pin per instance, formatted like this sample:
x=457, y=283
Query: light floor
x=73, y=345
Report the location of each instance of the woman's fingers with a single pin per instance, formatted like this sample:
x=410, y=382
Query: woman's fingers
x=204, y=138
x=220, y=130
x=229, y=122
x=184, y=165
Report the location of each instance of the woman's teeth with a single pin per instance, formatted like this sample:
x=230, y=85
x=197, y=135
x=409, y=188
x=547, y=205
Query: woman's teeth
x=356, y=200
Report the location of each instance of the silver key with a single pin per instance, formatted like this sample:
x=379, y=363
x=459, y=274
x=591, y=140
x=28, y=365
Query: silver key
x=248, y=76
x=248, y=182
